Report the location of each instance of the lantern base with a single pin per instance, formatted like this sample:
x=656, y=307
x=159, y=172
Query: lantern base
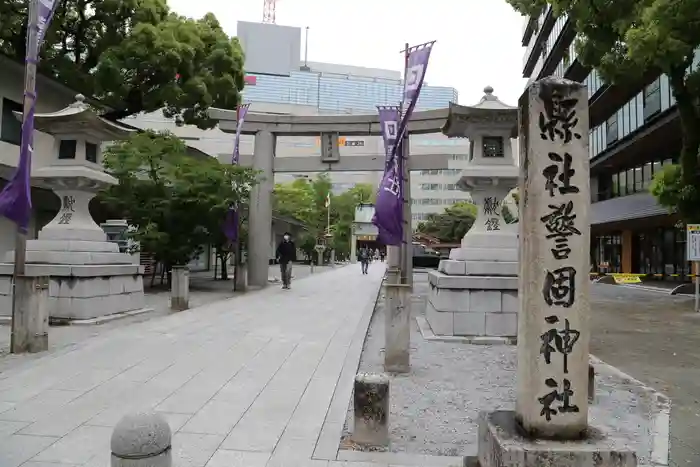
x=501, y=444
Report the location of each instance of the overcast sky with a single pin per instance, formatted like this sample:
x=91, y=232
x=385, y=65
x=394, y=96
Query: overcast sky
x=478, y=41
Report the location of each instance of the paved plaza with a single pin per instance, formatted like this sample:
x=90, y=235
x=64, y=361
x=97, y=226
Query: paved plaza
x=263, y=379
x=242, y=382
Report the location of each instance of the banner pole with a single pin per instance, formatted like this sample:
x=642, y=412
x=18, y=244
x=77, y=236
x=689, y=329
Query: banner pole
x=19, y=269
x=697, y=286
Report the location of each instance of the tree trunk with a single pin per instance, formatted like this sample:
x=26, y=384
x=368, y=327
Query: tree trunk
x=224, y=269
x=153, y=274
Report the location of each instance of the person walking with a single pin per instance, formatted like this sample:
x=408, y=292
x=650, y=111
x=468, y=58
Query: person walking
x=363, y=256
x=286, y=255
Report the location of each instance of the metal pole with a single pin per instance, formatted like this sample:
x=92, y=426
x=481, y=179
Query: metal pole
x=405, y=187
x=29, y=98
x=407, y=258
x=697, y=286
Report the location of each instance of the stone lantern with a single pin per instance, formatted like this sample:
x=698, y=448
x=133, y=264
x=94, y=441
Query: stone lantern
x=474, y=293
x=89, y=276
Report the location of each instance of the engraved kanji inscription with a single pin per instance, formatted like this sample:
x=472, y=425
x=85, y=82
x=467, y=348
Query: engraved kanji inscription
x=563, y=398
x=558, y=341
x=68, y=203
x=559, y=288
x=559, y=119
x=492, y=206
x=558, y=175
x=493, y=223
x=65, y=218
x=560, y=225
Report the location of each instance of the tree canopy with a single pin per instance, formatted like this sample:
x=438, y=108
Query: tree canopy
x=134, y=56
x=305, y=200
x=452, y=224
x=177, y=203
x=628, y=40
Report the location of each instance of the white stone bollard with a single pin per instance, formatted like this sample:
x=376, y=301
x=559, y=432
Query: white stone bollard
x=180, y=288
x=30, y=322
x=371, y=409
x=142, y=440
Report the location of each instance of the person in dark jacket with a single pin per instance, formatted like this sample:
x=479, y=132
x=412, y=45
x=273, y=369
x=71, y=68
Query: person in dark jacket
x=286, y=255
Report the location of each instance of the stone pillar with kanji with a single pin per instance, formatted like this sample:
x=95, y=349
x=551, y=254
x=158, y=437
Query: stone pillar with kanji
x=552, y=397
x=553, y=322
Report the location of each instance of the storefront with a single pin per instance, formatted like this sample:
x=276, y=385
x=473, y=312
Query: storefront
x=606, y=253
x=659, y=252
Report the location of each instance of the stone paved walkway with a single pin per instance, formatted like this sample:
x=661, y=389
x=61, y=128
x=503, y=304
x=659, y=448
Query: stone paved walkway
x=203, y=290
x=243, y=382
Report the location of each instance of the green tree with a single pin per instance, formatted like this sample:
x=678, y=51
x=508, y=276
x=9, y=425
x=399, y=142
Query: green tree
x=134, y=56
x=305, y=200
x=343, y=215
x=177, y=203
x=451, y=225
x=627, y=41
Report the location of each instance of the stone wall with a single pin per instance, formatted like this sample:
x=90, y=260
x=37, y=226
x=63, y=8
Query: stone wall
x=84, y=297
x=461, y=310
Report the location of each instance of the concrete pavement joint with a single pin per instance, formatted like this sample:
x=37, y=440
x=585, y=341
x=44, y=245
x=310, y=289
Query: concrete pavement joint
x=338, y=407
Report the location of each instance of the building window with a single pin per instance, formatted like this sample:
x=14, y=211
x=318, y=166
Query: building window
x=652, y=99
x=611, y=130
x=91, y=152
x=67, y=148
x=493, y=146
x=10, y=127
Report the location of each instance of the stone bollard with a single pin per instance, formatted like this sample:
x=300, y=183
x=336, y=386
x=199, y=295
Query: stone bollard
x=371, y=410
x=142, y=440
x=179, y=288
x=30, y=322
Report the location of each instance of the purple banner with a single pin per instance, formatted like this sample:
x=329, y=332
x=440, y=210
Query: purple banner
x=414, y=75
x=389, y=118
x=46, y=10
x=16, y=196
x=388, y=215
x=232, y=219
x=389, y=207
x=241, y=112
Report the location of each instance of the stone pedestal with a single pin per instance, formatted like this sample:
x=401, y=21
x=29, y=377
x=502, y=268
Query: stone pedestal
x=502, y=445
x=179, y=288
x=371, y=405
x=30, y=328
x=475, y=292
x=88, y=276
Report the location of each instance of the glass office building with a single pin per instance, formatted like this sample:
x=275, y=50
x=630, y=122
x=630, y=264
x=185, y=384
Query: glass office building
x=335, y=93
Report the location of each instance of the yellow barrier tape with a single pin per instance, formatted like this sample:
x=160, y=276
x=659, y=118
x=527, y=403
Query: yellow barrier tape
x=641, y=275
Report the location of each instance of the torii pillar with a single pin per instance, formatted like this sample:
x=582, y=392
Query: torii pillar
x=260, y=211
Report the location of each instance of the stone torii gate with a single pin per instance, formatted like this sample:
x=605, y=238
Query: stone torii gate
x=266, y=128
